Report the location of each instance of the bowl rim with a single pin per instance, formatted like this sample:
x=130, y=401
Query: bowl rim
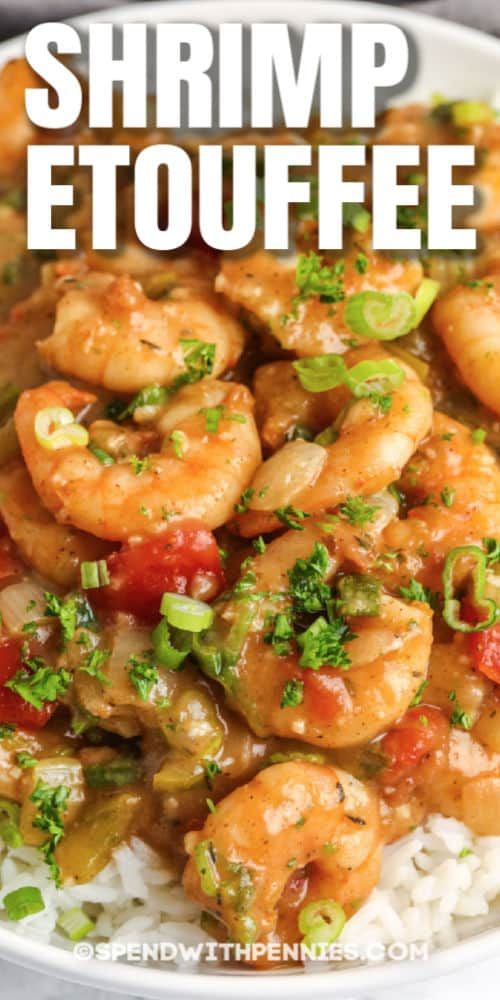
x=283, y=985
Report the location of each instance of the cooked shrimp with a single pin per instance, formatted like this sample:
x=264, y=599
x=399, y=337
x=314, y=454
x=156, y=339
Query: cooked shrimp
x=283, y=406
x=468, y=320
x=200, y=473
x=264, y=286
x=108, y=333
x=296, y=815
x=452, y=486
x=15, y=126
x=371, y=449
x=340, y=706
x=53, y=550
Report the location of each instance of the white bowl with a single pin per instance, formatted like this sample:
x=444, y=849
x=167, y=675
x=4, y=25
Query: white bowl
x=457, y=62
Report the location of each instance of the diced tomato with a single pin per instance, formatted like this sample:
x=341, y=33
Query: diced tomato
x=422, y=730
x=484, y=648
x=183, y=560
x=325, y=694
x=13, y=708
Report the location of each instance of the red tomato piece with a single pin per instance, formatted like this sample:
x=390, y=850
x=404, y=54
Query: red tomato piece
x=184, y=558
x=484, y=648
x=13, y=708
x=422, y=730
x=325, y=693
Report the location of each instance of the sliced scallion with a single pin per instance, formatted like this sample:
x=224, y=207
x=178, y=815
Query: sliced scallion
x=9, y=823
x=23, y=902
x=75, y=924
x=379, y=315
x=321, y=922
x=186, y=613
x=94, y=574
x=55, y=427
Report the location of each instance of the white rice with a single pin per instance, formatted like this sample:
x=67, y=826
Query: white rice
x=438, y=884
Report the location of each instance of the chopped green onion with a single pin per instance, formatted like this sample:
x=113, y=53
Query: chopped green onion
x=451, y=609
x=94, y=574
x=75, y=924
x=100, y=454
x=321, y=922
x=356, y=216
x=55, y=427
x=186, y=613
x=359, y=594
x=113, y=774
x=23, y=902
x=205, y=861
x=178, y=439
x=424, y=297
x=327, y=371
x=165, y=651
x=467, y=113
x=320, y=373
x=369, y=377
x=379, y=315
x=9, y=823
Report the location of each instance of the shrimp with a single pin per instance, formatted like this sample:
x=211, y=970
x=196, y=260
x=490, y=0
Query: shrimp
x=53, y=550
x=199, y=473
x=384, y=658
x=468, y=320
x=264, y=286
x=16, y=129
x=452, y=488
x=369, y=452
x=108, y=333
x=283, y=407
x=295, y=815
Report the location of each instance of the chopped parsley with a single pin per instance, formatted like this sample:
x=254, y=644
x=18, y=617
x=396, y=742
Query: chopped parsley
x=293, y=694
x=214, y=415
x=211, y=769
x=448, y=495
x=93, y=663
x=458, y=717
x=37, y=683
x=6, y=730
x=244, y=500
x=259, y=545
x=143, y=674
x=357, y=511
x=313, y=278
x=307, y=588
x=73, y=612
x=322, y=644
x=281, y=635
x=291, y=517
x=140, y=465
x=51, y=802
x=417, y=697
x=361, y=263
x=416, y=592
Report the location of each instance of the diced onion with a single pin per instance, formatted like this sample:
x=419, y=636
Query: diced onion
x=21, y=603
x=286, y=474
x=186, y=613
x=55, y=427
